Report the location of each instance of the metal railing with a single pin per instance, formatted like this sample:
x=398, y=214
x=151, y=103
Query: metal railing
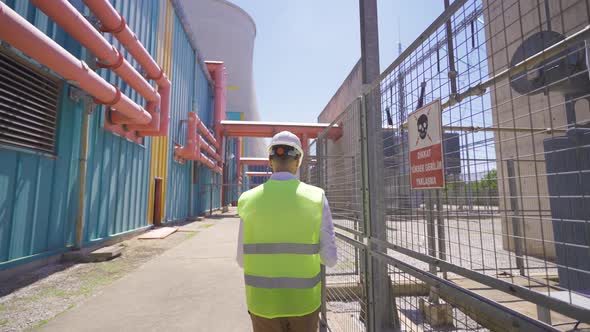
x=506, y=244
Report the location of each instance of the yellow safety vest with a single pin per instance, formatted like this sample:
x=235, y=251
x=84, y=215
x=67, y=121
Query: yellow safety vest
x=282, y=222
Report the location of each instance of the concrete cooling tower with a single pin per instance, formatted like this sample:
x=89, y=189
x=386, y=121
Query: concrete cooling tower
x=225, y=32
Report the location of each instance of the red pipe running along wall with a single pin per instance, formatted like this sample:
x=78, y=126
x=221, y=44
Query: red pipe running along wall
x=205, y=132
x=68, y=17
x=204, y=146
x=217, y=71
x=239, y=159
x=25, y=37
x=194, y=144
x=114, y=23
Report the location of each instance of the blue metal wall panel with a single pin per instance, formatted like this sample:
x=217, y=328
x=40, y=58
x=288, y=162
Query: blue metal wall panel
x=208, y=185
x=118, y=170
x=38, y=194
x=204, y=98
x=183, y=90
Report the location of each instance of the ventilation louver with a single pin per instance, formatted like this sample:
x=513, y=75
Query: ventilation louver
x=28, y=106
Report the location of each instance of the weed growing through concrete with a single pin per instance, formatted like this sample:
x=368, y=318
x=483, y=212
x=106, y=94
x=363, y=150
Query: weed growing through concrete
x=190, y=235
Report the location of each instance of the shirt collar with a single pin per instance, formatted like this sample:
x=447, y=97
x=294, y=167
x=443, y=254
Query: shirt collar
x=282, y=176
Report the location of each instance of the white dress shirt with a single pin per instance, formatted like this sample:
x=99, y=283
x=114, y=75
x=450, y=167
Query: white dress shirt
x=328, y=251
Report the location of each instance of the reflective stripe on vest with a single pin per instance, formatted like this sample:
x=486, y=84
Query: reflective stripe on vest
x=281, y=248
x=297, y=283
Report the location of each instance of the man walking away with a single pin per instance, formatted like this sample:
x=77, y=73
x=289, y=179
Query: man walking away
x=286, y=232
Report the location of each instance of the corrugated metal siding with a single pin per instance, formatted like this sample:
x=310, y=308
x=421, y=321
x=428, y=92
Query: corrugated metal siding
x=159, y=162
x=38, y=196
x=183, y=90
x=117, y=175
x=206, y=178
x=204, y=98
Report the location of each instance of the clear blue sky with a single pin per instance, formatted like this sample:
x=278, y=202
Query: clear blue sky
x=305, y=48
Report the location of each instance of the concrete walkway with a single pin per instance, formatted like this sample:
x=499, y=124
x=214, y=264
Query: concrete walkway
x=195, y=286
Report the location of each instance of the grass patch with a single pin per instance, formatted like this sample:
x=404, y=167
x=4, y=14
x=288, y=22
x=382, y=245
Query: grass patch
x=2, y=307
x=41, y=323
x=207, y=225
x=92, y=283
x=3, y=322
x=190, y=235
x=45, y=293
x=112, y=267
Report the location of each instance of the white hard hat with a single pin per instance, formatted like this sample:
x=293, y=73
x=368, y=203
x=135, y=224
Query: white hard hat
x=289, y=139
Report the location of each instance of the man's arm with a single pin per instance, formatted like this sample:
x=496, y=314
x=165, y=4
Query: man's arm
x=328, y=250
x=240, y=250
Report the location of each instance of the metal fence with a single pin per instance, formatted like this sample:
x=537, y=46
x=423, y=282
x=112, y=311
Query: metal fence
x=506, y=244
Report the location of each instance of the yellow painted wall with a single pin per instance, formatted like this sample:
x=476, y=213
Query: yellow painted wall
x=159, y=162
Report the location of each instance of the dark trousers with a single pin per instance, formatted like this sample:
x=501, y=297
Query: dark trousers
x=307, y=323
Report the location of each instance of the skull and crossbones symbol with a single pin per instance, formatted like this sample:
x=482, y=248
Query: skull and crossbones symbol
x=422, y=126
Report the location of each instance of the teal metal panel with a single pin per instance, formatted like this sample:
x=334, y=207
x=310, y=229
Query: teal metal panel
x=183, y=91
x=38, y=193
x=118, y=170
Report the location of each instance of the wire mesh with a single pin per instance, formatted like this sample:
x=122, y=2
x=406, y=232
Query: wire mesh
x=512, y=224
x=345, y=298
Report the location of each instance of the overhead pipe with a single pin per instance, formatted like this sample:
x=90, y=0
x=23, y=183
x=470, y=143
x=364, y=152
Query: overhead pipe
x=254, y=161
x=25, y=37
x=114, y=23
x=258, y=173
x=269, y=129
x=70, y=19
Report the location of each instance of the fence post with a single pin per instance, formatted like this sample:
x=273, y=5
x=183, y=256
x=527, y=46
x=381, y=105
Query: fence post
x=380, y=306
x=440, y=222
x=431, y=242
x=516, y=219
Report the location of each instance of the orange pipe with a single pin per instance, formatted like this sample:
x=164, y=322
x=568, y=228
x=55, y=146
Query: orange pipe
x=189, y=152
x=254, y=161
x=69, y=19
x=114, y=23
x=209, y=149
x=269, y=129
x=24, y=36
x=194, y=145
x=205, y=132
x=239, y=158
x=258, y=173
x=217, y=71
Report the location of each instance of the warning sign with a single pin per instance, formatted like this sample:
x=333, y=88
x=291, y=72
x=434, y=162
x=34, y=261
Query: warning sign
x=426, y=154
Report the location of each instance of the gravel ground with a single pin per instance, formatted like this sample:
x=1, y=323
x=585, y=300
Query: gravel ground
x=471, y=243
x=32, y=299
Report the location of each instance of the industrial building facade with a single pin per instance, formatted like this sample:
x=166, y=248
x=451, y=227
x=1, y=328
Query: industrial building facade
x=67, y=183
